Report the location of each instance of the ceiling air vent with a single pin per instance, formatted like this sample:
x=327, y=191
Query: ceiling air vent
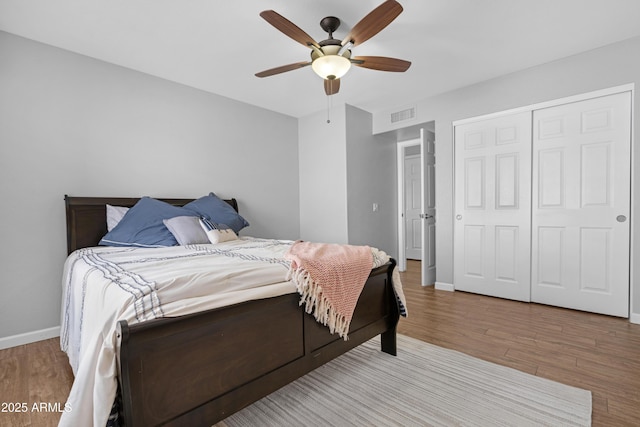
x=399, y=116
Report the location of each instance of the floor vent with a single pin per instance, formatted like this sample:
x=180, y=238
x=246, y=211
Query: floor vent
x=399, y=116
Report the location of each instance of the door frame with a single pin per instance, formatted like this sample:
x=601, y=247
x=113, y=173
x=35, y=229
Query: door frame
x=401, y=145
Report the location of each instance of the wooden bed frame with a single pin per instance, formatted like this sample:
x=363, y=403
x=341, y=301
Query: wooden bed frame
x=198, y=369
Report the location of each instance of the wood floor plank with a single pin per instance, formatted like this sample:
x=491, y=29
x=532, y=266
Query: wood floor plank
x=48, y=388
x=14, y=383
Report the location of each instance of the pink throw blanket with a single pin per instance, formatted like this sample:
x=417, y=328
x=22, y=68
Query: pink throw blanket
x=330, y=278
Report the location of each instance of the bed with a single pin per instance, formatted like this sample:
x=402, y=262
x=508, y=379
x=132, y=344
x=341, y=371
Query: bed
x=199, y=368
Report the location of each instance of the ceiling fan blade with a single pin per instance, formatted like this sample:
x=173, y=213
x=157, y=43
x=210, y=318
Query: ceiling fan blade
x=374, y=22
x=282, y=69
x=332, y=86
x=381, y=63
x=288, y=28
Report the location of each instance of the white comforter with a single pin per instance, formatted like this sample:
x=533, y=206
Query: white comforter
x=103, y=285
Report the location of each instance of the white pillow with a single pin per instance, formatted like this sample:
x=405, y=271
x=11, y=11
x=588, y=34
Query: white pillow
x=114, y=215
x=217, y=233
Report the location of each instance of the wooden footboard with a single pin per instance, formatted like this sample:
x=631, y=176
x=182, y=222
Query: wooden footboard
x=198, y=369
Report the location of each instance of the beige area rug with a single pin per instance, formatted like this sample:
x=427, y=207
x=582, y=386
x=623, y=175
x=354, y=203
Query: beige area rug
x=424, y=385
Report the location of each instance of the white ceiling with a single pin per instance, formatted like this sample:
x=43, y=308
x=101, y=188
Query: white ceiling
x=217, y=46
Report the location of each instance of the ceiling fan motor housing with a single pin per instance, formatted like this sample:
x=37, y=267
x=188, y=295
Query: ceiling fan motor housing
x=331, y=49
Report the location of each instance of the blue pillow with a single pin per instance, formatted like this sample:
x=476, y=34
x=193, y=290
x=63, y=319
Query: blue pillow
x=217, y=210
x=142, y=225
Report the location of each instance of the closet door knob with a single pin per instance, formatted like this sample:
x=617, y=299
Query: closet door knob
x=458, y=217
x=621, y=218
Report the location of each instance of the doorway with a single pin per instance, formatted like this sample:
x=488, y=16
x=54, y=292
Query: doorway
x=416, y=204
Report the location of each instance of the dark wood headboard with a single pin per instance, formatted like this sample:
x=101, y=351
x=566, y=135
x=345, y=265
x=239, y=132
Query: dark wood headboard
x=87, y=217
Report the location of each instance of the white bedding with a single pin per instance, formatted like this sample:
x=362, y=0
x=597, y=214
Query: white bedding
x=103, y=285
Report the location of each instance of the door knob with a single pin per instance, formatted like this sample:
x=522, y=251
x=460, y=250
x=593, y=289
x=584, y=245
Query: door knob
x=458, y=217
x=621, y=218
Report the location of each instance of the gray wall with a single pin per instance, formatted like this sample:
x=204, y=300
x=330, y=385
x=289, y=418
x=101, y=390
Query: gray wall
x=371, y=178
x=344, y=169
x=612, y=65
x=73, y=125
x=323, y=177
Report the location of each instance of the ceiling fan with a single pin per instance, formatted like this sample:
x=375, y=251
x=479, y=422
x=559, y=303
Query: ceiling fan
x=331, y=58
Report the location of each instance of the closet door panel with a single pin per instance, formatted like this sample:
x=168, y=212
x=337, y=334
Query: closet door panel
x=551, y=178
x=492, y=197
x=581, y=205
x=550, y=268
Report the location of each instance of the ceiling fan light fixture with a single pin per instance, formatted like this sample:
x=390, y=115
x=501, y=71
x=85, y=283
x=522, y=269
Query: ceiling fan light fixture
x=331, y=66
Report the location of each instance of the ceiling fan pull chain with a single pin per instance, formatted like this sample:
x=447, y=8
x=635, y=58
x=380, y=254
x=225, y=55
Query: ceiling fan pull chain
x=328, y=109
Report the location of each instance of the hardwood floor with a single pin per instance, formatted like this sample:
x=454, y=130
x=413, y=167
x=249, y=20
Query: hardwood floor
x=35, y=380
x=590, y=351
x=585, y=350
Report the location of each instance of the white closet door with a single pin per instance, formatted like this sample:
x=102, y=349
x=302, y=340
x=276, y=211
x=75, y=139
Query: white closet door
x=581, y=205
x=492, y=227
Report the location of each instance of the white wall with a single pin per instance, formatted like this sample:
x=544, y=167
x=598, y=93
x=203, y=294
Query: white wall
x=73, y=125
x=610, y=66
x=323, y=177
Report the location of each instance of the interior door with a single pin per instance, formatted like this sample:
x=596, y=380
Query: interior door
x=492, y=245
x=581, y=205
x=416, y=205
x=413, y=206
x=429, y=212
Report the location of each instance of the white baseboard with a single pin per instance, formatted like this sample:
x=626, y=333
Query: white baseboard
x=29, y=337
x=445, y=286
x=634, y=318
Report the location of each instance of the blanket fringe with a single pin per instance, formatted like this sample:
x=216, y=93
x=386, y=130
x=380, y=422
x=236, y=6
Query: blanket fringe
x=317, y=304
